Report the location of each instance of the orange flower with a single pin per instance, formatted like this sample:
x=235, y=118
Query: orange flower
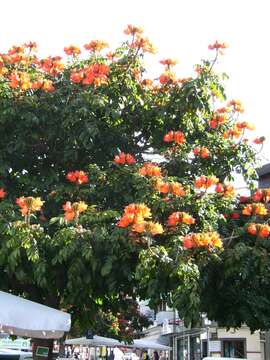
x=218, y=46
x=261, y=195
x=247, y=210
x=229, y=191
x=177, y=189
x=37, y=84
x=203, y=152
x=162, y=187
x=143, y=43
x=255, y=209
x=123, y=159
x=135, y=215
x=2, y=193
x=252, y=229
x=132, y=30
x=96, y=74
x=236, y=106
x=180, y=217
x=218, y=119
x=219, y=188
x=69, y=216
x=264, y=231
x=259, y=141
x=96, y=45
x=257, y=196
x=29, y=204
x=188, y=242
x=125, y=220
x=245, y=125
x=168, y=62
x=169, y=137
x=150, y=170
x=179, y=137
x=208, y=239
x=72, y=50
x=138, y=227
x=260, y=209
x=76, y=77
x=206, y=182
x=167, y=77
x=143, y=210
x=48, y=86
x=14, y=80
x=78, y=176
x=73, y=211
x=155, y=228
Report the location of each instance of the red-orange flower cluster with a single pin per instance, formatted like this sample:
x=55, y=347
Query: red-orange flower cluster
x=96, y=74
x=205, y=182
x=255, y=209
x=72, y=50
x=135, y=215
x=29, y=204
x=245, y=125
x=180, y=217
x=259, y=140
x=207, y=239
x=168, y=77
x=261, y=230
x=236, y=106
x=2, y=193
x=72, y=211
x=79, y=177
x=203, y=152
x=261, y=195
x=219, y=118
x=96, y=45
x=168, y=62
x=149, y=169
x=174, y=188
x=123, y=159
x=133, y=30
x=227, y=190
x=175, y=136
x=218, y=46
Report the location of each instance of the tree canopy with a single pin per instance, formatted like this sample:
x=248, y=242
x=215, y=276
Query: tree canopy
x=88, y=224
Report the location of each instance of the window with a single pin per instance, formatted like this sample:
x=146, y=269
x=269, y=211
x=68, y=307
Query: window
x=234, y=348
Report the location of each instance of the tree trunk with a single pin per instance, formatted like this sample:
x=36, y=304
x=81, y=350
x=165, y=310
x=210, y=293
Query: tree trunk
x=44, y=343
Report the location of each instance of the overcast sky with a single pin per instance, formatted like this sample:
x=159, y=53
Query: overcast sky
x=180, y=29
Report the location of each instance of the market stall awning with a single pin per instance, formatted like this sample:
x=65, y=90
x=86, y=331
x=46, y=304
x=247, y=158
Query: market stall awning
x=22, y=317
x=104, y=341
x=149, y=344
x=96, y=341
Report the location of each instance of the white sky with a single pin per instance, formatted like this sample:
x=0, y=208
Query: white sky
x=180, y=29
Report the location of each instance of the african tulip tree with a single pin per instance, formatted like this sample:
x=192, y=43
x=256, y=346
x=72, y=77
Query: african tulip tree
x=86, y=223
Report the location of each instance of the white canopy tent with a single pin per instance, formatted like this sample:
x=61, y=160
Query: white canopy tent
x=103, y=341
x=149, y=344
x=96, y=341
x=22, y=317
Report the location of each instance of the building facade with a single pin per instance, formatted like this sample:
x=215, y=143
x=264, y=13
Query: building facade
x=206, y=340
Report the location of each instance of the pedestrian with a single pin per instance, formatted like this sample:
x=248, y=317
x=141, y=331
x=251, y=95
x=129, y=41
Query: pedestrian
x=145, y=355
x=155, y=355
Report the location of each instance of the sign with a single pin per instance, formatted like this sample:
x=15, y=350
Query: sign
x=214, y=346
x=19, y=344
x=42, y=351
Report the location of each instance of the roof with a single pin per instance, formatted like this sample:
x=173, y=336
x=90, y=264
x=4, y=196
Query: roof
x=264, y=170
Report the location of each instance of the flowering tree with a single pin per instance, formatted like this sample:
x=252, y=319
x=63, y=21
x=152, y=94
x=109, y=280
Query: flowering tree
x=87, y=224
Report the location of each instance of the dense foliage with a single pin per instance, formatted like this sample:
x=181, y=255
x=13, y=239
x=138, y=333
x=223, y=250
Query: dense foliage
x=87, y=224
